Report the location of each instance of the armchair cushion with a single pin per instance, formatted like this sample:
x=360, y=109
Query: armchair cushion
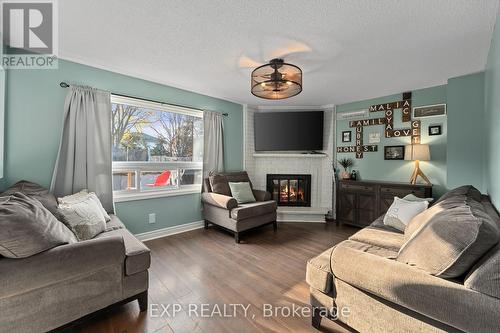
x=219, y=200
x=219, y=184
x=245, y=211
x=261, y=195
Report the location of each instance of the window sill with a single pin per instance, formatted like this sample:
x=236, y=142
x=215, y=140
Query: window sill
x=123, y=197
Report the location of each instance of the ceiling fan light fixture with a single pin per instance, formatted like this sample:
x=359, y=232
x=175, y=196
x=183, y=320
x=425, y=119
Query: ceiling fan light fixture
x=276, y=80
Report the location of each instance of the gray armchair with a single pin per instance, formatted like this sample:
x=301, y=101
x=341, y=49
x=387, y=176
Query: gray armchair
x=221, y=209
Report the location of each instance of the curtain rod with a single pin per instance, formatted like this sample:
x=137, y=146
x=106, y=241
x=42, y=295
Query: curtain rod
x=66, y=85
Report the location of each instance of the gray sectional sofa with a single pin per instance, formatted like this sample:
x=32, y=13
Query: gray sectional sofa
x=65, y=283
x=442, y=277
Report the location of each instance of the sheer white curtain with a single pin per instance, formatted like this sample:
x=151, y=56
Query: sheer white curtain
x=213, y=152
x=84, y=158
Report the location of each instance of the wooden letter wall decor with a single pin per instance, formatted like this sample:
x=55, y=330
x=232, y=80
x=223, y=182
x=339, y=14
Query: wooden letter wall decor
x=388, y=120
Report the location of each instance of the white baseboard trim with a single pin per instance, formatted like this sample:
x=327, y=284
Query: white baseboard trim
x=298, y=221
x=169, y=231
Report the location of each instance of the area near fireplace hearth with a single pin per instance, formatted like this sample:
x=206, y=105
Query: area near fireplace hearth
x=300, y=183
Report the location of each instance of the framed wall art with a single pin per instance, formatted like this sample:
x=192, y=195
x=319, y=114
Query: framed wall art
x=346, y=136
x=435, y=130
x=429, y=111
x=394, y=153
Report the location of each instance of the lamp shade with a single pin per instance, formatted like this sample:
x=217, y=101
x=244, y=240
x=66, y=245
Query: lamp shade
x=276, y=80
x=417, y=153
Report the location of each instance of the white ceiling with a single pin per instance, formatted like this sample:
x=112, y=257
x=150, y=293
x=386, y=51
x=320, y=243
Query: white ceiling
x=348, y=49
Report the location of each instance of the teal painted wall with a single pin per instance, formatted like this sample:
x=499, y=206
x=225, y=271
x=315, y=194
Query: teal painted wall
x=374, y=167
x=465, y=149
x=33, y=123
x=492, y=119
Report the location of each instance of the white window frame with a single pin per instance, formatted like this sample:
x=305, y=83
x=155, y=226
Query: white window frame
x=138, y=167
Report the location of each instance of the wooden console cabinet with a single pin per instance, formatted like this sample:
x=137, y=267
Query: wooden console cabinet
x=359, y=203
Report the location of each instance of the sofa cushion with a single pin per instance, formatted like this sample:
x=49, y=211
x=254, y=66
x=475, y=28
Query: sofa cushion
x=33, y=190
x=367, y=248
x=452, y=239
x=380, y=237
x=468, y=190
x=319, y=273
x=484, y=277
x=319, y=270
x=245, y=211
x=28, y=228
x=426, y=216
x=137, y=254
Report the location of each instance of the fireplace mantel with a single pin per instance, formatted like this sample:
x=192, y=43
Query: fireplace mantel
x=296, y=155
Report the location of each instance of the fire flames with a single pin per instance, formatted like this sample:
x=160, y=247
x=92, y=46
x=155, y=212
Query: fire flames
x=296, y=194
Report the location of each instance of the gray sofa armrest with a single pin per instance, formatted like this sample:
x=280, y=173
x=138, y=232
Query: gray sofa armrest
x=60, y=263
x=261, y=195
x=219, y=200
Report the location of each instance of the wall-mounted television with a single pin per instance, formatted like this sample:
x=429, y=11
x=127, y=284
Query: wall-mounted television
x=298, y=131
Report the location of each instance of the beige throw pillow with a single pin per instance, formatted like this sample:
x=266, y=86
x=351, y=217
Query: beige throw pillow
x=402, y=212
x=84, y=218
x=81, y=196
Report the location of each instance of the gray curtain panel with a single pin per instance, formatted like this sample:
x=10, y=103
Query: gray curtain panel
x=84, y=158
x=213, y=153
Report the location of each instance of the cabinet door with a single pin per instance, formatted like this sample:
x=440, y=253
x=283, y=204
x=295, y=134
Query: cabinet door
x=385, y=202
x=366, y=208
x=347, y=207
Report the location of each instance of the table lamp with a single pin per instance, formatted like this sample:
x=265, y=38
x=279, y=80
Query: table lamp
x=417, y=153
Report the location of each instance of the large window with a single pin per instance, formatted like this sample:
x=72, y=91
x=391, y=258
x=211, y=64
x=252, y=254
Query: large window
x=157, y=149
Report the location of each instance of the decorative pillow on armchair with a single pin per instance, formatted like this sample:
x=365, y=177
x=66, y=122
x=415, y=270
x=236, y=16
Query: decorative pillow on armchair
x=83, y=217
x=242, y=192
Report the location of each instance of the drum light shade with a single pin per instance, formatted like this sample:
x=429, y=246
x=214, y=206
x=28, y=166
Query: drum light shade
x=276, y=80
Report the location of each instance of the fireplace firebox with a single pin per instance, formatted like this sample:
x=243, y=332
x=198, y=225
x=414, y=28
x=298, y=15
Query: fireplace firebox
x=290, y=190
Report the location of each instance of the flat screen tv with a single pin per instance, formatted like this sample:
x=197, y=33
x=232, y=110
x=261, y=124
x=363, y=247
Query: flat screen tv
x=299, y=131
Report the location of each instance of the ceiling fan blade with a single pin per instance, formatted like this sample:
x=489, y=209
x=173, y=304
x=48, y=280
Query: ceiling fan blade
x=290, y=49
x=247, y=62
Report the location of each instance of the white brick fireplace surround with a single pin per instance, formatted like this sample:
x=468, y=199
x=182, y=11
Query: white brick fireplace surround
x=259, y=164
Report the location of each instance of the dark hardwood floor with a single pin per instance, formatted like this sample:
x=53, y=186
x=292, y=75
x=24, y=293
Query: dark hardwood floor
x=207, y=266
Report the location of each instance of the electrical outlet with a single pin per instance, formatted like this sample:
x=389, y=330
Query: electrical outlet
x=152, y=218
